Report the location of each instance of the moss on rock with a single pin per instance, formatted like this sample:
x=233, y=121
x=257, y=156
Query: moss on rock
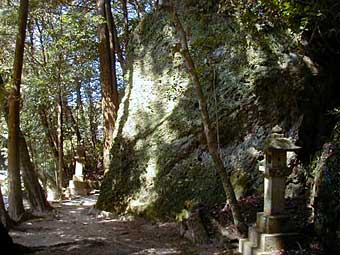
x=160, y=162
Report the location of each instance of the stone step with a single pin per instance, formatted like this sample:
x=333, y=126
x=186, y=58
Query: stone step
x=272, y=224
x=272, y=242
x=78, y=188
x=253, y=238
x=254, y=235
x=268, y=243
x=248, y=248
x=259, y=252
x=241, y=242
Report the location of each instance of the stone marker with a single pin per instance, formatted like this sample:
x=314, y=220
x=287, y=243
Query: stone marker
x=272, y=230
x=78, y=186
x=79, y=168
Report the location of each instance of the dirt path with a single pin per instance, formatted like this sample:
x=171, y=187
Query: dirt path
x=73, y=230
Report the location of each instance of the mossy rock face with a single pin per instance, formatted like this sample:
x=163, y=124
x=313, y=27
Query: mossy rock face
x=160, y=163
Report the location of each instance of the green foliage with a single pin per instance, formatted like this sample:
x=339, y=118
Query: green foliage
x=326, y=195
x=301, y=16
x=124, y=178
x=184, y=182
x=336, y=131
x=8, y=19
x=61, y=52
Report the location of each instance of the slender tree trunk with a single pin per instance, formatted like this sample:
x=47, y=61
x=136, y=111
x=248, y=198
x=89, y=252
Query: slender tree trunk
x=4, y=218
x=8, y=246
x=5, y=239
x=118, y=47
x=16, y=207
x=109, y=86
x=75, y=124
x=211, y=141
x=126, y=23
x=93, y=125
x=50, y=134
x=60, y=173
x=80, y=115
x=41, y=41
x=36, y=194
x=112, y=43
x=138, y=8
x=126, y=15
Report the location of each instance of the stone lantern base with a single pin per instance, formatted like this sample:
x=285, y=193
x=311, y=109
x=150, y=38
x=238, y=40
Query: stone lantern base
x=270, y=233
x=78, y=187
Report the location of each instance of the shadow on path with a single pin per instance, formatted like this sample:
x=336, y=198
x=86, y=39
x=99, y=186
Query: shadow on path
x=78, y=229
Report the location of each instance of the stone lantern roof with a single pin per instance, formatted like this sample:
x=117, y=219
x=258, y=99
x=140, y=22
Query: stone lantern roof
x=278, y=142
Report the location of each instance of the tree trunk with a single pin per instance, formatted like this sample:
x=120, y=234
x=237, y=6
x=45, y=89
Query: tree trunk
x=60, y=172
x=126, y=25
x=109, y=85
x=119, y=47
x=7, y=245
x=126, y=16
x=91, y=116
x=211, y=141
x=37, y=199
x=51, y=136
x=5, y=239
x=36, y=194
x=5, y=220
x=138, y=8
x=16, y=207
x=75, y=125
x=112, y=43
x=80, y=115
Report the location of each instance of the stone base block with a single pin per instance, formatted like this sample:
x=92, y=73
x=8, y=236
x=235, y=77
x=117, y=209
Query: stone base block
x=246, y=247
x=79, y=188
x=258, y=252
x=271, y=224
x=254, y=235
x=78, y=178
x=259, y=243
x=280, y=241
x=241, y=244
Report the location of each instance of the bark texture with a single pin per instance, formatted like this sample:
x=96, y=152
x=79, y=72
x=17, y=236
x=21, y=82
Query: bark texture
x=16, y=208
x=5, y=239
x=51, y=133
x=60, y=172
x=210, y=138
x=5, y=220
x=36, y=194
x=108, y=78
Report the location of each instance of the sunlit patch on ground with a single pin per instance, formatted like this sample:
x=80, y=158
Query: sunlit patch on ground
x=73, y=230
x=161, y=251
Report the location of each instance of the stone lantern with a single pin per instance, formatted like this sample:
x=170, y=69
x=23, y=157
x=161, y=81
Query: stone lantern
x=78, y=186
x=276, y=171
x=273, y=230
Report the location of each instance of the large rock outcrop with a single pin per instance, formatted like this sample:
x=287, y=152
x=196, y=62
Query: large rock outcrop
x=254, y=78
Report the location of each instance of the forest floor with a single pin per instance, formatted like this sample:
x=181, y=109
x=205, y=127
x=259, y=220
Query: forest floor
x=76, y=229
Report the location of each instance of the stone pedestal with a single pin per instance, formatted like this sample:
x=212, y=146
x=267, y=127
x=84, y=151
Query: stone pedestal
x=269, y=234
x=273, y=230
x=274, y=190
x=78, y=186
